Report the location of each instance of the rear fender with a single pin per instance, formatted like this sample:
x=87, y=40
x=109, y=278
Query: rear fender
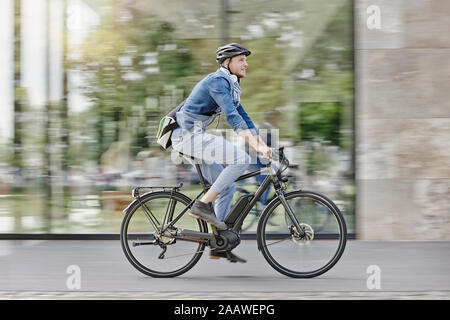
x=144, y=195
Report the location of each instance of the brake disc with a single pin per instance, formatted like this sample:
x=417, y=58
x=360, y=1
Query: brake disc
x=309, y=234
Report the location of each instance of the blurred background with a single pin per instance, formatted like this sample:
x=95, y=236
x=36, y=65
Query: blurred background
x=83, y=85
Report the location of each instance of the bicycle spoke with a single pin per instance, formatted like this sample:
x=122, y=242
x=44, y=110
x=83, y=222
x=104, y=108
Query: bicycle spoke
x=169, y=210
x=151, y=217
x=185, y=254
x=289, y=237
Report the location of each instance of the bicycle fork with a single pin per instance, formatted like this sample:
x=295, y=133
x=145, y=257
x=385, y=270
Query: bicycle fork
x=290, y=213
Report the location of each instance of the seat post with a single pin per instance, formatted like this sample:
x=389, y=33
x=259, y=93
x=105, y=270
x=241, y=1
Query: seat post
x=197, y=167
x=202, y=180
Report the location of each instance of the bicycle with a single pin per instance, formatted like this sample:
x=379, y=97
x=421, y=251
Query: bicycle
x=156, y=221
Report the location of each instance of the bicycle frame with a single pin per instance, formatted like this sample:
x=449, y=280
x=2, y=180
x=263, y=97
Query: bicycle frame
x=270, y=178
x=264, y=185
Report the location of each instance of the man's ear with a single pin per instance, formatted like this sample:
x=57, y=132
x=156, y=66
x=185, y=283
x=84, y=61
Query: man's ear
x=225, y=65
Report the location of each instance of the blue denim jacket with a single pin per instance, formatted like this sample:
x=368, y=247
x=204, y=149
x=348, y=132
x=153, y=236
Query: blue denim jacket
x=213, y=93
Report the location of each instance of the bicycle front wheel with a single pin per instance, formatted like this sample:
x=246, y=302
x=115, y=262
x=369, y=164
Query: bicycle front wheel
x=302, y=257
x=153, y=253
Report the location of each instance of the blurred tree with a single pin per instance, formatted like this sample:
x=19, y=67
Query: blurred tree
x=322, y=86
x=263, y=89
x=49, y=113
x=18, y=90
x=130, y=58
x=325, y=76
x=65, y=123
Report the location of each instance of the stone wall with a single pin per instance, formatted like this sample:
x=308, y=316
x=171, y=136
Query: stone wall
x=402, y=119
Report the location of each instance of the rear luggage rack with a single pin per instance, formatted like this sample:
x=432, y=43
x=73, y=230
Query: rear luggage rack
x=135, y=191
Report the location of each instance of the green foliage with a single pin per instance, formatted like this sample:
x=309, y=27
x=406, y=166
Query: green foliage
x=124, y=66
x=263, y=88
x=320, y=120
x=329, y=85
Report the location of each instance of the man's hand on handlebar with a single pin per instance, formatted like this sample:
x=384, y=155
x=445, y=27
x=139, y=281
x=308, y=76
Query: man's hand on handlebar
x=265, y=151
x=256, y=143
x=278, y=155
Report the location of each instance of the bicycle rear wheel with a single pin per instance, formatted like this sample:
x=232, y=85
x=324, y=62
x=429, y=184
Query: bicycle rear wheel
x=144, y=245
x=283, y=247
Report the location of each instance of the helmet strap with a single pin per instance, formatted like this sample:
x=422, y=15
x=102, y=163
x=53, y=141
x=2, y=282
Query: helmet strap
x=228, y=67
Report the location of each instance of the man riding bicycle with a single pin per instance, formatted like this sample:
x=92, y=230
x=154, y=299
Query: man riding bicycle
x=218, y=92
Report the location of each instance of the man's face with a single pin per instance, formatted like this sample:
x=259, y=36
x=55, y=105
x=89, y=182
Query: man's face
x=238, y=65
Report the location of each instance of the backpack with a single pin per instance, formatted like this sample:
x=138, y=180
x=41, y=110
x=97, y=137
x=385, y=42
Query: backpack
x=169, y=123
x=166, y=126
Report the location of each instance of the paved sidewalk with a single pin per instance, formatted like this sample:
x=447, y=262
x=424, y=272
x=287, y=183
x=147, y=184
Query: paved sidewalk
x=38, y=269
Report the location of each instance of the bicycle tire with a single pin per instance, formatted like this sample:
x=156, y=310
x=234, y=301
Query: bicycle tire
x=131, y=256
x=263, y=235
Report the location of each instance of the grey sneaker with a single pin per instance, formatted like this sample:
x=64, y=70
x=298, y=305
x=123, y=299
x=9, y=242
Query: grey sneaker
x=203, y=211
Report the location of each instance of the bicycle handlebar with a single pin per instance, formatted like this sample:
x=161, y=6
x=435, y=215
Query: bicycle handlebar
x=278, y=155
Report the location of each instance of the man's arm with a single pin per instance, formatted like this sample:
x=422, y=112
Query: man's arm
x=219, y=90
x=254, y=131
x=247, y=119
x=256, y=143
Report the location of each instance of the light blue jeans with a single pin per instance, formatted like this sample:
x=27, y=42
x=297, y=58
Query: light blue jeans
x=221, y=163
